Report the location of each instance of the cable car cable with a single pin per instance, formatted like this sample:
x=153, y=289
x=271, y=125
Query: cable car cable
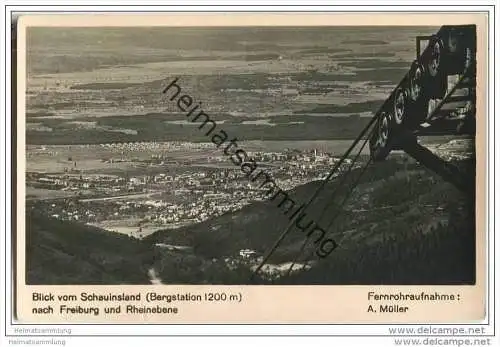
x=329, y=203
x=344, y=201
x=316, y=193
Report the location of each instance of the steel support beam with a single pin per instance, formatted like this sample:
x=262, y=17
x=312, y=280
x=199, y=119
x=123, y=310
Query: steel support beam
x=447, y=171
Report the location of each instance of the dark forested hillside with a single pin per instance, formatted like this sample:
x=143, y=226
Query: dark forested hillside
x=402, y=225
x=60, y=252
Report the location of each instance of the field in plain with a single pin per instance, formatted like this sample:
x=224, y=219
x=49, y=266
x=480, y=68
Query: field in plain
x=104, y=85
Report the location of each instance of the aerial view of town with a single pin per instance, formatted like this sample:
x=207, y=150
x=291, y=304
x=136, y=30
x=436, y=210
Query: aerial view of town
x=137, y=193
x=107, y=150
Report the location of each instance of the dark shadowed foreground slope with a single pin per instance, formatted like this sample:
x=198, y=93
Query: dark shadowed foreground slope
x=60, y=252
x=443, y=255
x=402, y=225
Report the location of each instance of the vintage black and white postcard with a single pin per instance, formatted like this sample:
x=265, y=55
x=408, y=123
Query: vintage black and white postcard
x=243, y=168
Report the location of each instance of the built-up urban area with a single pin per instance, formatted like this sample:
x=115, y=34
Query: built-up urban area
x=162, y=191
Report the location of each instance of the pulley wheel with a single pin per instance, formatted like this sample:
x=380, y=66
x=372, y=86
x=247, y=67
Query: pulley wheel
x=399, y=106
x=416, y=78
x=453, y=41
x=468, y=59
x=436, y=50
x=383, y=130
x=379, y=141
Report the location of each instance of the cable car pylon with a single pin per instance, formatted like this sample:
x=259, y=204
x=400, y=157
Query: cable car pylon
x=407, y=113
